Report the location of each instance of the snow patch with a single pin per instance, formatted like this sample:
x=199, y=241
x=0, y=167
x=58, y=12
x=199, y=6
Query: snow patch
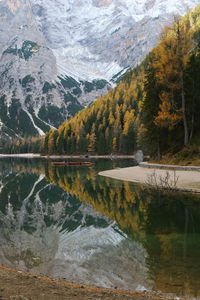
x=72, y=63
x=51, y=126
x=40, y=131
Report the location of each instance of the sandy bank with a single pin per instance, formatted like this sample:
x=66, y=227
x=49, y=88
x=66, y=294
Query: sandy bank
x=187, y=180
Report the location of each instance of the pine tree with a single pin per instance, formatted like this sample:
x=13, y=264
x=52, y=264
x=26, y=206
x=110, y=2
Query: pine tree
x=170, y=62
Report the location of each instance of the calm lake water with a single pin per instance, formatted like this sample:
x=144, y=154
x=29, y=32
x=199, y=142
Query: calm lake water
x=69, y=223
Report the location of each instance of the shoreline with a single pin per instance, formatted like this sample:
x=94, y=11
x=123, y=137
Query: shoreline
x=37, y=155
x=169, y=167
x=187, y=180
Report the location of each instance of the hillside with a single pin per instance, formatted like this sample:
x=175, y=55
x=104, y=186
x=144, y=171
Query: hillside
x=155, y=106
x=108, y=125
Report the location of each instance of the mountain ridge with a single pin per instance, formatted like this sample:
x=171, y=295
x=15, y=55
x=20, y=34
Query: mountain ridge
x=57, y=57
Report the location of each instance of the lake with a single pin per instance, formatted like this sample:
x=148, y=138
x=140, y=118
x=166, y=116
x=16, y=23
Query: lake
x=71, y=224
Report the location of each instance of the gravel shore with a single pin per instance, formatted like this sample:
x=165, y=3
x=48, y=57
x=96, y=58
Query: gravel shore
x=17, y=285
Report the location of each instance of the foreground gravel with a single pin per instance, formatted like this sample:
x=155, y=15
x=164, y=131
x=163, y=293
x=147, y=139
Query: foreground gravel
x=15, y=285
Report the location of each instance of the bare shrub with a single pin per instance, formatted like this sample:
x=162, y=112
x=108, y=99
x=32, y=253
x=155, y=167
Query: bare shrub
x=167, y=181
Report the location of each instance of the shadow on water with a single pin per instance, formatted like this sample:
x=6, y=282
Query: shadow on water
x=69, y=222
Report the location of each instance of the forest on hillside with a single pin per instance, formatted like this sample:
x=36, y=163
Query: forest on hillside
x=155, y=107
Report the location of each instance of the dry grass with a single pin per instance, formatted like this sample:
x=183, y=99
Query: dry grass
x=188, y=156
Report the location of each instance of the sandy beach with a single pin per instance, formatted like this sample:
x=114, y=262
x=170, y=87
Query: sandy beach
x=186, y=180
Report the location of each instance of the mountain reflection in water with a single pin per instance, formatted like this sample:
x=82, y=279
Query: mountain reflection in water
x=68, y=222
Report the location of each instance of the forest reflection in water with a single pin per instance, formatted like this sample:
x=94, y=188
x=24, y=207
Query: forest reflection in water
x=157, y=234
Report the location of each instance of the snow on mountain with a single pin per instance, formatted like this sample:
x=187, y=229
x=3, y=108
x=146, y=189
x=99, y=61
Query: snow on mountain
x=56, y=56
x=96, y=38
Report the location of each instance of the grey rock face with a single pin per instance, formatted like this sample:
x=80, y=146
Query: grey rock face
x=56, y=56
x=101, y=37
x=33, y=95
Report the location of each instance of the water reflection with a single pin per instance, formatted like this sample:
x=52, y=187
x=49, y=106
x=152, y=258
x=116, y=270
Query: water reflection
x=68, y=222
x=46, y=230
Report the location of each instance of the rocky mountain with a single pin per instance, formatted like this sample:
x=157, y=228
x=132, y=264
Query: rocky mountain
x=58, y=56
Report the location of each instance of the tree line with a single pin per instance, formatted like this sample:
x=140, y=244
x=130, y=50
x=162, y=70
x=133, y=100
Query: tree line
x=170, y=114
x=107, y=126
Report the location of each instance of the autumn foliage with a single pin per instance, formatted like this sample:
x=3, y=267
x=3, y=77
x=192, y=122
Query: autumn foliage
x=107, y=126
